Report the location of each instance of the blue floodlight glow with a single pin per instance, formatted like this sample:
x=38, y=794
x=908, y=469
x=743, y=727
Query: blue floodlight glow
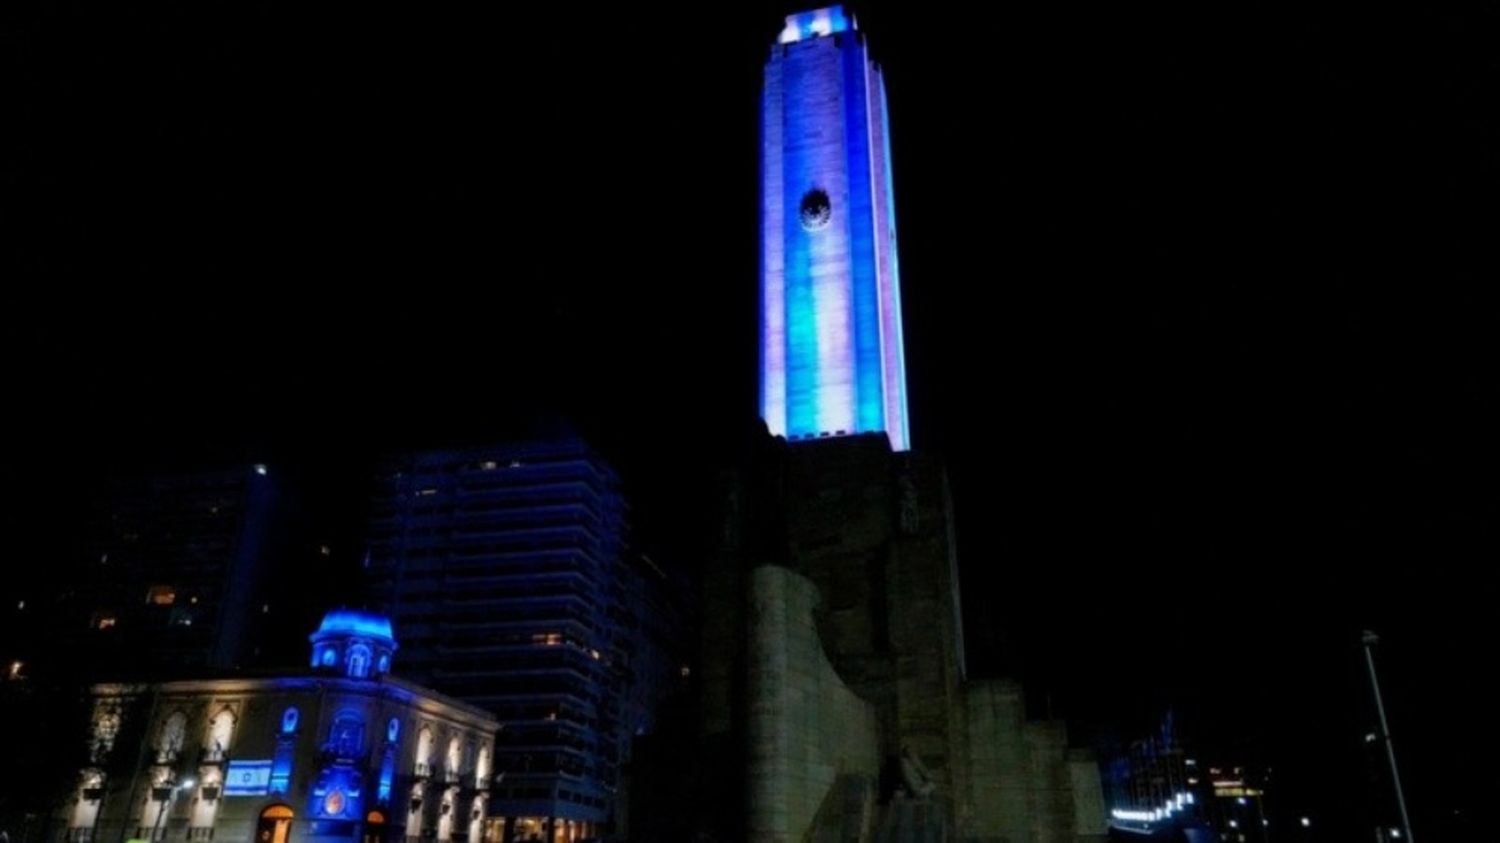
x=832, y=358
x=353, y=622
x=819, y=22
x=337, y=794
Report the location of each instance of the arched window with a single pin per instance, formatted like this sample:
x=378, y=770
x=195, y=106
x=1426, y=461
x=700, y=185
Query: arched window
x=424, y=746
x=393, y=730
x=347, y=735
x=482, y=766
x=289, y=720
x=173, y=733
x=453, y=755
x=330, y=657
x=220, y=731
x=359, y=661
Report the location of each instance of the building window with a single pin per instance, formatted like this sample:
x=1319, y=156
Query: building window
x=359, y=661
x=347, y=735
x=289, y=721
x=103, y=620
x=161, y=595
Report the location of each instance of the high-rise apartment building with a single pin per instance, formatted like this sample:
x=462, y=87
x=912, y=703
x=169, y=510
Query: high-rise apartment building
x=506, y=572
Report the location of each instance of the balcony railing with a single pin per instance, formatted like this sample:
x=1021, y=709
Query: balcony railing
x=81, y=834
x=201, y=833
x=212, y=756
x=450, y=775
x=147, y=832
x=167, y=756
x=422, y=770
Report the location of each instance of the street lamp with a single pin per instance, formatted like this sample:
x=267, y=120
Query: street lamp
x=1370, y=639
x=185, y=784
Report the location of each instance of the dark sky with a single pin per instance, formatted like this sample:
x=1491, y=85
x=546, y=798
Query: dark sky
x=1199, y=308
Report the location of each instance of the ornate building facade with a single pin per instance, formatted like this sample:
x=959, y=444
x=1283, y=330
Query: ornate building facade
x=341, y=751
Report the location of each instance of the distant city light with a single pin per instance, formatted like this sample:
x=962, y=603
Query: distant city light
x=260, y=469
x=1242, y=801
x=187, y=783
x=1306, y=823
x=1234, y=823
x=1370, y=738
x=1395, y=834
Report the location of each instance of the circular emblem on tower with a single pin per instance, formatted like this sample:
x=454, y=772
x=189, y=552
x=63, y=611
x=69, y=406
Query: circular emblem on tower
x=816, y=211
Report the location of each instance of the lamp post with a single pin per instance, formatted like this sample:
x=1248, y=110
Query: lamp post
x=166, y=802
x=1370, y=639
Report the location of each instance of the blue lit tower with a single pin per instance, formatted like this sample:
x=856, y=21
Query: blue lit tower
x=832, y=359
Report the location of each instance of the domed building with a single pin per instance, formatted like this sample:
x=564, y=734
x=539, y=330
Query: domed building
x=343, y=750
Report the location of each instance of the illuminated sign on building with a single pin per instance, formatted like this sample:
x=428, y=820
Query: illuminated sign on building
x=247, y=778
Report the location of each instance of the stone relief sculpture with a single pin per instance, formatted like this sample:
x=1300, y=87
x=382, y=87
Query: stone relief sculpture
x=915, y=779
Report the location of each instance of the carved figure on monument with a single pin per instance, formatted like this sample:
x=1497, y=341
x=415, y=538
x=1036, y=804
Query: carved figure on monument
x=917, y=781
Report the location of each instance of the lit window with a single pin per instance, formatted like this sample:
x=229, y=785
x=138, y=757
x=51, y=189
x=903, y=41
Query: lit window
x=551, y=639
x=325, y=550
x=103, y=620
x=422, y=493
x=14, y=671
x=161, y=595
x=686, y=671
x=21, y=606
x=193, y=600
x=489, y=465
x=265, y=609
x=261, y=470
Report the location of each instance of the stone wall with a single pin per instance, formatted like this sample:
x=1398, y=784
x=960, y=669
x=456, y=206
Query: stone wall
x=1025, y=785
x=805, y=729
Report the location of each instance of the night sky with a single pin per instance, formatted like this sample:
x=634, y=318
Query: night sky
x=1199, y=306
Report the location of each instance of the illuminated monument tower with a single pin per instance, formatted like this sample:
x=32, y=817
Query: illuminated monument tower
x=835, y=699
x=831, y=350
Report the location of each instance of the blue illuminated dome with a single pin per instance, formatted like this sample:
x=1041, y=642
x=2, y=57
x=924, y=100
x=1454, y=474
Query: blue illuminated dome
x=354, y=643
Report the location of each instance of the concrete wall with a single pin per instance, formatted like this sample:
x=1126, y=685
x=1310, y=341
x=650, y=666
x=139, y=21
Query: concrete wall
x=805, y=728
x=1025, y=785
